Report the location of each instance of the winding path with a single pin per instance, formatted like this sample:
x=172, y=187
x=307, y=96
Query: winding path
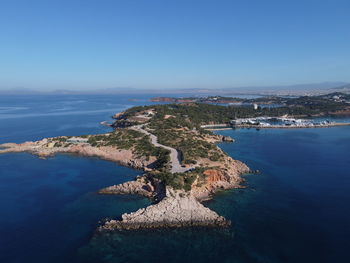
x=174, y=155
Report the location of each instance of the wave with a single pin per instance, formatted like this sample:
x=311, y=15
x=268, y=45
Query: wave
x=10, y=109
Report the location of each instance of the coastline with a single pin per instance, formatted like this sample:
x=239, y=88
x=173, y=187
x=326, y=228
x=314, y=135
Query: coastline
x=177, y=209
x=292, y=127
x=246, y=207
x=172, y=207
x=182, y=164
x=229, y=127
x=40, y=149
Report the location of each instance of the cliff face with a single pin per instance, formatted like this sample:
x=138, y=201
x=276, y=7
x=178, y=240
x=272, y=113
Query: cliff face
x=226, y=175
x=214, y=176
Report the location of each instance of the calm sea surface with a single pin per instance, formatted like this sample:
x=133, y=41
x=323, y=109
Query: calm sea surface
x=296, y=210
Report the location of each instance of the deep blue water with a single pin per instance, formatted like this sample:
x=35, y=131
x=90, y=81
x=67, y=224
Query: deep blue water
x=296, y=210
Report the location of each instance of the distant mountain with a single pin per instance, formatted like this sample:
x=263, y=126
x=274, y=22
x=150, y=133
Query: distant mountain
x=343, y=88
x=18, y=91
x=298, y=89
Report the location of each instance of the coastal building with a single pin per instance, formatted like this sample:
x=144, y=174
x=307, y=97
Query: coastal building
x=278, y=122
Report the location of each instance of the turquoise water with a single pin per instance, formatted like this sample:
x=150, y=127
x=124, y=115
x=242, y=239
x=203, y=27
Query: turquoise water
x=296, y=210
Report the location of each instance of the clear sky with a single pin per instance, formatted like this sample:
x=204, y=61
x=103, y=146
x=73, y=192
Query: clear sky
x=67, y=44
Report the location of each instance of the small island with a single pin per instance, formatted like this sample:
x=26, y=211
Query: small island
x=181, y=162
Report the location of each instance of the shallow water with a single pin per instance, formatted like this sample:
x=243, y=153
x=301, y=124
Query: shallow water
x=296, y=210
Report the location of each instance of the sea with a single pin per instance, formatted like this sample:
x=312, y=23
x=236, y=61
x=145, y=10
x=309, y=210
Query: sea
x=297, y=209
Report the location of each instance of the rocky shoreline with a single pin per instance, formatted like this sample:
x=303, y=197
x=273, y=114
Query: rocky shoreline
x=43, y=149
x=173, y=208
x=150, y=188
x=177, y=209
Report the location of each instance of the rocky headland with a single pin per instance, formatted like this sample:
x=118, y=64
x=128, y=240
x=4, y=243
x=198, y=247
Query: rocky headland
x=44, y=148
x=177, y=209
x=182, y=166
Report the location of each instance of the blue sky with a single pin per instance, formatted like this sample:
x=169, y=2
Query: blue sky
x=68, y=44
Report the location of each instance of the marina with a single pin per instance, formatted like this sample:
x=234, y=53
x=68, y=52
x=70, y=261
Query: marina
x=284, y=122
x=274, y=123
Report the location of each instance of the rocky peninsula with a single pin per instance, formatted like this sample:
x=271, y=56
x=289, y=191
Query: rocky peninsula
x=176, y=209
x=181, y=164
